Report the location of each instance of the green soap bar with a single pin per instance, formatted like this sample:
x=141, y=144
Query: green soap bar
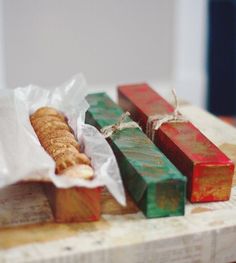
x=154, y=183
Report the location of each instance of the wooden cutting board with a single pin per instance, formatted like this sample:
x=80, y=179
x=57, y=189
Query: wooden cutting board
x=207, y=233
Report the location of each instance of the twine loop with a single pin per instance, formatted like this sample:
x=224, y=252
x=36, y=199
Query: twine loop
x=155, y=121
x=107, y=131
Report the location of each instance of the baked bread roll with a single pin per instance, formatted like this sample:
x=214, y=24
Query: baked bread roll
x=57, y=138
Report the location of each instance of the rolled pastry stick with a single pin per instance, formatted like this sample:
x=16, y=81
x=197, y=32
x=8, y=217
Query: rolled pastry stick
x=39, y=121
x=44, y=137
x=47, y=111
x=64, y=140
x=51, y=126
x=57, y=138
x=75, y=204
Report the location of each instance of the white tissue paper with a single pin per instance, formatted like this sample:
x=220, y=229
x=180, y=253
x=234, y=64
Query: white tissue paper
x=22, y=156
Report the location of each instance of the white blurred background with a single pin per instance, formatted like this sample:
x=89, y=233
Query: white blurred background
x=162, y=42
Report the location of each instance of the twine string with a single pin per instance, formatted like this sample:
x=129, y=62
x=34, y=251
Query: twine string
x=155, y=121
x=107, y=131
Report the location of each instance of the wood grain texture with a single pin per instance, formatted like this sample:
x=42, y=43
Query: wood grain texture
x=110, y=206
x=75, y=204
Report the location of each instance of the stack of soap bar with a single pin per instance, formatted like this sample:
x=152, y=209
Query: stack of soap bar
x=209, y=171
x=153, y=182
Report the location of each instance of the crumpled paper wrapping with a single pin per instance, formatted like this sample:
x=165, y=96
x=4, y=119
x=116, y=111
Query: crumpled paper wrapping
x=22, y=156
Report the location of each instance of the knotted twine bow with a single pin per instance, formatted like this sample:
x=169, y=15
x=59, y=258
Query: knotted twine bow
x=107, y=131
x=155, y=121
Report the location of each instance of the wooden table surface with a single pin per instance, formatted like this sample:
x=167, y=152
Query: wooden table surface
x=207, y=233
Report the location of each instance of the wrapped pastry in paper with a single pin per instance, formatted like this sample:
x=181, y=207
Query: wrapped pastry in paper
x=23, y=158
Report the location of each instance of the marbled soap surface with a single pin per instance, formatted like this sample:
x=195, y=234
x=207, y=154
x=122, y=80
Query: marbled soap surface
x=152, y=180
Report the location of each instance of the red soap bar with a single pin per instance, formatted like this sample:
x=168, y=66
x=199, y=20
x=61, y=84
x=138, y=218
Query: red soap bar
x=209, y=171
